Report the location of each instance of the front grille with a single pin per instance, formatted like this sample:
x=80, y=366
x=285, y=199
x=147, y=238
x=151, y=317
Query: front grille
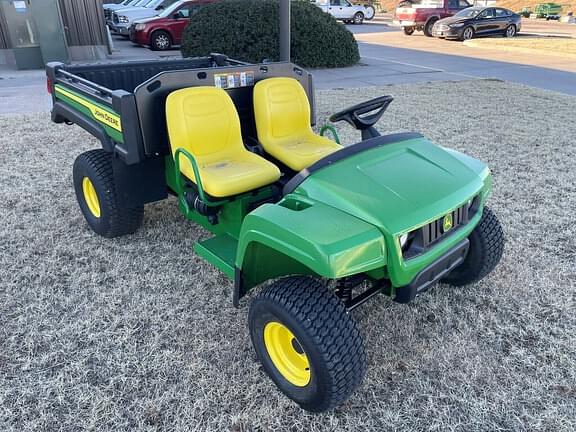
x=422, y=239
x=434, y=231
x=116, y=20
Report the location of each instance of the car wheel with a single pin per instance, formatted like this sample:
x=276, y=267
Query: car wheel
x=510, y=31
x=408, y=30
x=347, y=21
x=370, y=12
x=358, y=18
x=428, y=27
x=160, y=41
x=486, y=247
x=467, y=33
x=307, y=342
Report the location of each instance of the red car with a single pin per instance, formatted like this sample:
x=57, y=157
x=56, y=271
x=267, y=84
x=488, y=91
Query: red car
x=164, y=31
x=421, y=15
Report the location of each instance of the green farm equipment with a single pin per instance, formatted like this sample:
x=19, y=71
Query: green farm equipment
x=525, y=12
x=550, y=11
x=322, y=227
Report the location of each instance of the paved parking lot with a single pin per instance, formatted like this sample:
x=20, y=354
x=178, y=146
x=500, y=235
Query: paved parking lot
x=417, y=58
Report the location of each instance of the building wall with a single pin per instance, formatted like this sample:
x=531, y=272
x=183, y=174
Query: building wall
x=85, y=22
x=4, y=42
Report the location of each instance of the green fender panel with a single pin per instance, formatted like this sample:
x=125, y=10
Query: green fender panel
x=302, y=236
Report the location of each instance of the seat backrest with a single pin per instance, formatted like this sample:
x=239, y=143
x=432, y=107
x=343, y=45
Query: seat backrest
x=281, y=110
x=203, y=120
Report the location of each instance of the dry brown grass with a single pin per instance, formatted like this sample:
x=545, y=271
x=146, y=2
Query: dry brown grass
x=139, y=334
x=565, y=47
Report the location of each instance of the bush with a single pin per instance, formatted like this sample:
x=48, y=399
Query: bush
x=248, y=30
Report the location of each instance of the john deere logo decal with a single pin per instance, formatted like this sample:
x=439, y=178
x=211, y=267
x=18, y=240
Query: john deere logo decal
x=447, y=223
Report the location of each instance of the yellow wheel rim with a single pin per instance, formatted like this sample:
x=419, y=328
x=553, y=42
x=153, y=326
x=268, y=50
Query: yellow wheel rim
x=287, y=354
x=91, y=197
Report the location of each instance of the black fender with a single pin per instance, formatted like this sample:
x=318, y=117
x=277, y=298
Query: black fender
x=62, y=113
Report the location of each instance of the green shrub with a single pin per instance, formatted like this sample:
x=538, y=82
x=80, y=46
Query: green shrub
x=248, y=30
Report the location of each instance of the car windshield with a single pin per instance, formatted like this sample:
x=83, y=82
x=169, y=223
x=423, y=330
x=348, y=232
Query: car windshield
x=170, y=9
x=469, y=12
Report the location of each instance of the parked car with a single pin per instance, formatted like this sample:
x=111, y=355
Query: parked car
x=122, y=19
x=345, y=11
x=478, y=21
x=421, y=15
x=111, y=7
x=165, y=30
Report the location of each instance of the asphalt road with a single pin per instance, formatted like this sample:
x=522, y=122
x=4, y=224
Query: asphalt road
x=389, y=57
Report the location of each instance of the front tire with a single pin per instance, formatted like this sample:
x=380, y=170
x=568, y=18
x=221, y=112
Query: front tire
x=467, y=33
x=408, y=31
x=358, y=18
x=486, y=248
x=307, y=342
x=96, y=194
x=160, y=41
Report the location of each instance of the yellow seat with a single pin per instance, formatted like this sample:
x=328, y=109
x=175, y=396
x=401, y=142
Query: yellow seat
x=282, y=113
x=204, y=121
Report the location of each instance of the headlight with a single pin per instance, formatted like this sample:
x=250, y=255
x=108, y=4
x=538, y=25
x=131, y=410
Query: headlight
x=456, y=25
x=139, y=27
x=123, y=19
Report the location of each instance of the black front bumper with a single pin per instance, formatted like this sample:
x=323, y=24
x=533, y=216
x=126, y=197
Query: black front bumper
x=433, y=273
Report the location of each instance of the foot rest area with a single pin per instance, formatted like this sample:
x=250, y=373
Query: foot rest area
x=220, y=251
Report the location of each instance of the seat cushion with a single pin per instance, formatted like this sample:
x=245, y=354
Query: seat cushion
x=282, y=114
x=225, y=175
x=300, y=153
x=204, y=121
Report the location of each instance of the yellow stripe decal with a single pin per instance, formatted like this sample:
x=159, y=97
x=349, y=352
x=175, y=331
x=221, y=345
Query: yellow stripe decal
x=98, y=113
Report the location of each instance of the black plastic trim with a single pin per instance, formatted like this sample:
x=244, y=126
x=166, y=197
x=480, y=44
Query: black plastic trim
x=345, y=153
x=62, y=112
x=239, y=289
x=433, y=273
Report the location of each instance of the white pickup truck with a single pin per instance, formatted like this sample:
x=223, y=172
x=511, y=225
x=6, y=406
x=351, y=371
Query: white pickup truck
x=345, y=11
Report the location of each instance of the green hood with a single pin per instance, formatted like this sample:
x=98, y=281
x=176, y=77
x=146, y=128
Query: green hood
x=397, y=186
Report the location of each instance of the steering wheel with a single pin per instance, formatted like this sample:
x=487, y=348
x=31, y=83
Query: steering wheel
x=365, y=114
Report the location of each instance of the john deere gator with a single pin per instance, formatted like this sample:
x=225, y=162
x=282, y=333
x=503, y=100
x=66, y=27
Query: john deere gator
x=319, y=226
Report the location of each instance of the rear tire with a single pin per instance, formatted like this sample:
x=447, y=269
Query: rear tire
x=96, y=194
x=160, y=41
x=408, y=31
x=510, y=31
x=358, y=18
x=428, y=27
x=486, y=247
x=307, y=342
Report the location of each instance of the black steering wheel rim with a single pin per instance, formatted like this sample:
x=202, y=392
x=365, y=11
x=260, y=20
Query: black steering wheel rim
x=359, y=115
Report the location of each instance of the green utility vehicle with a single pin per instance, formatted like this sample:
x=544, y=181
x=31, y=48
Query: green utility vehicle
x=550, y=11
x=329, y=226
